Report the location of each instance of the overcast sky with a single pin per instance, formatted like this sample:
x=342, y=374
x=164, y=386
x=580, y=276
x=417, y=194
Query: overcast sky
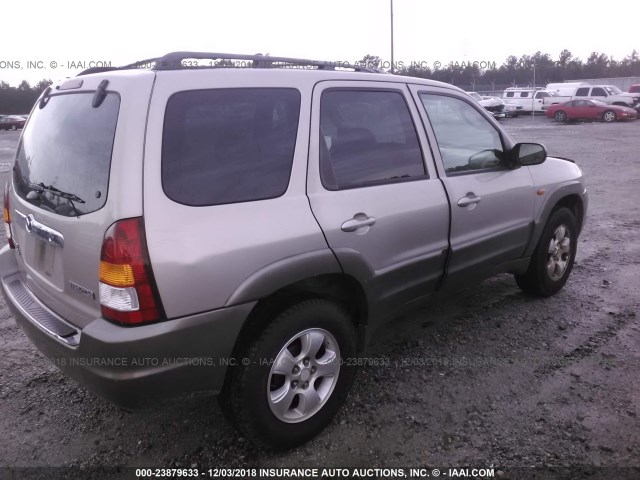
x=122, y=32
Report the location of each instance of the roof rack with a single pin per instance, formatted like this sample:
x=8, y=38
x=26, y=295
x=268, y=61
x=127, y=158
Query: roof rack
x=176, y=61
x=524, y=88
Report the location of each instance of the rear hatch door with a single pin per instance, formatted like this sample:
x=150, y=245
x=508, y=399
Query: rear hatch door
x=77, y=167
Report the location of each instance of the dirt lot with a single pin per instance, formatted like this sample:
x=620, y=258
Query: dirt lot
x=489, y=377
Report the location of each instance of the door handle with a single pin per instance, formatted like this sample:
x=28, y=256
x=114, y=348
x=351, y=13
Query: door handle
x=470, y=199
x=359, y=220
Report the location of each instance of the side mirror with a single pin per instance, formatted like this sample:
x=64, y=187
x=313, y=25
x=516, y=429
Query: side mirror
x=527, y=154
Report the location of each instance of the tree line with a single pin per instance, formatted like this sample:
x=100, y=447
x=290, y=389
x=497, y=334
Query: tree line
x=19, y=100
x=519, y=71
x=513, y=72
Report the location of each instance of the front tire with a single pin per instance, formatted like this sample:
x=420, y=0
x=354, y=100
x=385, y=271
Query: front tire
x=560, y=116
x=609, y=116
x=290, y=382
x=553, y=258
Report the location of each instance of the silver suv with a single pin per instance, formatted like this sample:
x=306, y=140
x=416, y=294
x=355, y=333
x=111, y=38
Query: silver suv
x=243, y=229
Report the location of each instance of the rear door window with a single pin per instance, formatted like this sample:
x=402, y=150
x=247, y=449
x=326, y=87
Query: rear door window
x=369, y=138
x=582, y=92
x=64, y=157
x=223, y=146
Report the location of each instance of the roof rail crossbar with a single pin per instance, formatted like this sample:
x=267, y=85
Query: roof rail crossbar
x=139, y=64
x=173, y=61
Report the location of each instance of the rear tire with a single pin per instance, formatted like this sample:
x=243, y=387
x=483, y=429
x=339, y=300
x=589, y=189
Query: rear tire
x=290, y=382
x=553, y=258
x=560, y=116
x=609, y=116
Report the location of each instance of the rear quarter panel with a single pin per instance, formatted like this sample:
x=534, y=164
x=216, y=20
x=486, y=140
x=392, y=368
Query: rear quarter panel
x=202, y=255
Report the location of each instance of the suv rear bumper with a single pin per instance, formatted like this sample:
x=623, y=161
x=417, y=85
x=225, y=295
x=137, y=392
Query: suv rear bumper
x=130, y=366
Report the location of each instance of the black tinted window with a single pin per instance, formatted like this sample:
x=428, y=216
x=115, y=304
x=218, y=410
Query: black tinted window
x=229, y=145
x=598, y=92
x=64, y=157
x=509, y=94
x=365, y=137
x=582, y=92
x=524, y=94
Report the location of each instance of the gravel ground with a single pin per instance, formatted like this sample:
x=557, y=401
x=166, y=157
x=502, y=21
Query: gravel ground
x=488, y=377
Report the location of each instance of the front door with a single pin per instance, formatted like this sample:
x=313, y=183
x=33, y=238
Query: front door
x=491, y=204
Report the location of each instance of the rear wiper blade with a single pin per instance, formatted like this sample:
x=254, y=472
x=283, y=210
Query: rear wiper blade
x=40, y=187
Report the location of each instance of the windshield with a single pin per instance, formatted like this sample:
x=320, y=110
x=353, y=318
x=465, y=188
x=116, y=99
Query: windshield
x=64, y=157
x=475, y=96
x=613, y=90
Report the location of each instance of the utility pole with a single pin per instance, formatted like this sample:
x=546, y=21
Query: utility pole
x=391, y=36
x=533, y=107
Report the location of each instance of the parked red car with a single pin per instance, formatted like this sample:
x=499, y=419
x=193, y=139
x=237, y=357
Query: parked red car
x=590, y=110
x=11, y=122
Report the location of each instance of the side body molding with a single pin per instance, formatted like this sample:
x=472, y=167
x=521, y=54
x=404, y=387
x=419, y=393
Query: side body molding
x=284, y=272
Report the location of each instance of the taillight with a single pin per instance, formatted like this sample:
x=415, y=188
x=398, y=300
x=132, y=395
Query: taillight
x=7, y=217
x=128, y=294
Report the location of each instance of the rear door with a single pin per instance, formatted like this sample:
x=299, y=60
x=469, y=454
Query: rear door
x=582, y=92
x=63, y=193
x=374, y=191
x=599, y=93
x=492, y=205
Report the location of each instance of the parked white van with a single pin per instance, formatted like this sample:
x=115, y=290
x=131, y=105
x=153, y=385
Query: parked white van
x=531, y=99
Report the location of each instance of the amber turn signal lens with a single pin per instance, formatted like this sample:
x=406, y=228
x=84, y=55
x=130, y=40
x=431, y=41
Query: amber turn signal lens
x=116, y=275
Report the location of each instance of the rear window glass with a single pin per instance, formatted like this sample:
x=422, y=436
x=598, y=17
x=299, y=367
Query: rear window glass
x=63, y=160
x=229, y=145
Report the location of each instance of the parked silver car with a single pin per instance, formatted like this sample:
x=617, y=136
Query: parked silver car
x=244, y=231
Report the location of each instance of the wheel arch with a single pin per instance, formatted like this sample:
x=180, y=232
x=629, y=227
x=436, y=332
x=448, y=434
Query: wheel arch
x=575, y=204
x=337, y=287
x=571, y=198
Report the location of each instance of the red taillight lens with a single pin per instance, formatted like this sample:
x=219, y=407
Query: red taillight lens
x=7, y=217
x=128, y=294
